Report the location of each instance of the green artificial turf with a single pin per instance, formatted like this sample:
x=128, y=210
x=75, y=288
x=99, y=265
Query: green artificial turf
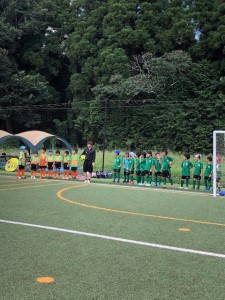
x=92, y=268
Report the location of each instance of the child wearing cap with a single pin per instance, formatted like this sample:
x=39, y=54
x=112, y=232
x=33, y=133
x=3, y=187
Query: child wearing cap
x=42, y=162
x=74, y=163
x=198, y=170
x=208, y=173
x=34, y=160
x=50, y=161
x=117, y=166
x=186, y=167
x=22, y=163
x=218, y=172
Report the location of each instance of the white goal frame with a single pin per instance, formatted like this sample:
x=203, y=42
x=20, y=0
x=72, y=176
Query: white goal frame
x=215, y=132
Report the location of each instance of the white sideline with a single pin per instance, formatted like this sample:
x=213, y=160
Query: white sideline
x=117, y=239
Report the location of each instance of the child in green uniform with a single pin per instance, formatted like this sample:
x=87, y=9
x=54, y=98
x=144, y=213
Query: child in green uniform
x=58, y=164
x=126, y=163
x=186, y=170
x=117, y=166
x=218, y=172
x=50, y=159
x=131, y=167
x=74, y=163
x=66, y=165
x=34, y=161
x=198, y=170
x=208, y=174
x=142, y=164
x=22, y=163
x=166, y=162
x=157, y=167
x=148, y=168
x=137, y=168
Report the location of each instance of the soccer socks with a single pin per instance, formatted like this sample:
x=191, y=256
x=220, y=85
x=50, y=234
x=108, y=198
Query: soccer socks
x=147, y=179
x=23, y=172
x=206, y=183
x=194, y=183
x=182, y=183
x=187, y=182
x=142, y=179
x=171, y=181
x=74, y=174
x=198, y=184
x=114, y=176
x=209, y=184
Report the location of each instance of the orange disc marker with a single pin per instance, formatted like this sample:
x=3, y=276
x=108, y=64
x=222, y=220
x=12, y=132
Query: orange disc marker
x=45, y=279
x=184, y=229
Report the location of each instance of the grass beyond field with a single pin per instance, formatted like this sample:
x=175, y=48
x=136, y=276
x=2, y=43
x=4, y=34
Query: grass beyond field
x=102, y=241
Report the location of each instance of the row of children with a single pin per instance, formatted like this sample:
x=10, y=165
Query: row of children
x=50, y=161
x=145, y=166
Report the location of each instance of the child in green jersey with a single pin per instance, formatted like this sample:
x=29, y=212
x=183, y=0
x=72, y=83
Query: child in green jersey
x=208, y=173
x=142, y=163
x=50, y=158
x=34, y=161
x=131, y=168
x=117, y=166
x=166, y=162
x=157, y=167
x=66, y=165
x=186, y=166
x=198, y=170
x=22, y=163
x=126, y=163
x=74, y=163
x=148, y=168
x=57, y=164
x=137, y=168
x=218, y=172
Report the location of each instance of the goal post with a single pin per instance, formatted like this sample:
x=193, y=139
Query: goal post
x=218, y=153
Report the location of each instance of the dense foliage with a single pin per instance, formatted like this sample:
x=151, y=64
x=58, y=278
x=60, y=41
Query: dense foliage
x=138, y=73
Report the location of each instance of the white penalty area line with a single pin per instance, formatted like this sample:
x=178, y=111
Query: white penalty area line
x=117, y=239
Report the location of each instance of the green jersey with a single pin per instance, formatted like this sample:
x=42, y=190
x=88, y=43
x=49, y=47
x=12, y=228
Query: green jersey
x=34, y=160
x=186, y=167
x=198, y=167
x=58, y=158
x=218, y=171
x=50, y=158
x=165, y=161
x=142, y=162
x=157, y=164
x=208, y=170
x=117, y=162
x=22, y=158
x=149, y=163
x=74, y=160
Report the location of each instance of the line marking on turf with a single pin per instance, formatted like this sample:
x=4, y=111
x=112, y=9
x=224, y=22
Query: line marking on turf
x=117, y=239
x=59, y=195
x=30, y=186
x=19, y=183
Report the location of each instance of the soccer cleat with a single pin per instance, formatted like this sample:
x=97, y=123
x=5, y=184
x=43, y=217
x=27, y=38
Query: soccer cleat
x=181, y=187
x=23, y=177
x=147, y=184
x=164, y=186
x=172, y=186
x=206, y=189
x=85, y=181
x=131, y=182
x=18, y=177
x=31, y=177
x=186, y=188
x=88, y=181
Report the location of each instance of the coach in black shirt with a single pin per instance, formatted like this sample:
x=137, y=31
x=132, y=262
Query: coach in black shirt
x=89, y=161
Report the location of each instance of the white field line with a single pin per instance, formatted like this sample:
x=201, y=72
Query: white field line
x=117, y=239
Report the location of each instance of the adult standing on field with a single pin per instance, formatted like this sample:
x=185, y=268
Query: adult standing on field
x=89, y=161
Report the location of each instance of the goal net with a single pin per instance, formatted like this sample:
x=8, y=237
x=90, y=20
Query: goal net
x=218, y=161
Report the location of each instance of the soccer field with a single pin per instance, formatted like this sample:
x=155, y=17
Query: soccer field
x=104, y=241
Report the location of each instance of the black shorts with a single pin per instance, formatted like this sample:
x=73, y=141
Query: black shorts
x=58, y=165
x=87, y=166
x=21, y=167
x=74, y=169
x=158, y=174
x=66, y=166
x=166, y=174
x=198, y=177
x=148, y=173
x=50, y=166
x=207, y=178
x=126, y=172
x=33, y=167
x=140, y=173
x=116, y=171
x=185, y=177
x=42, y=167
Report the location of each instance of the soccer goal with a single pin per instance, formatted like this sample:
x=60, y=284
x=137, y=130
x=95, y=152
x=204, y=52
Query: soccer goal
x=218, y=161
